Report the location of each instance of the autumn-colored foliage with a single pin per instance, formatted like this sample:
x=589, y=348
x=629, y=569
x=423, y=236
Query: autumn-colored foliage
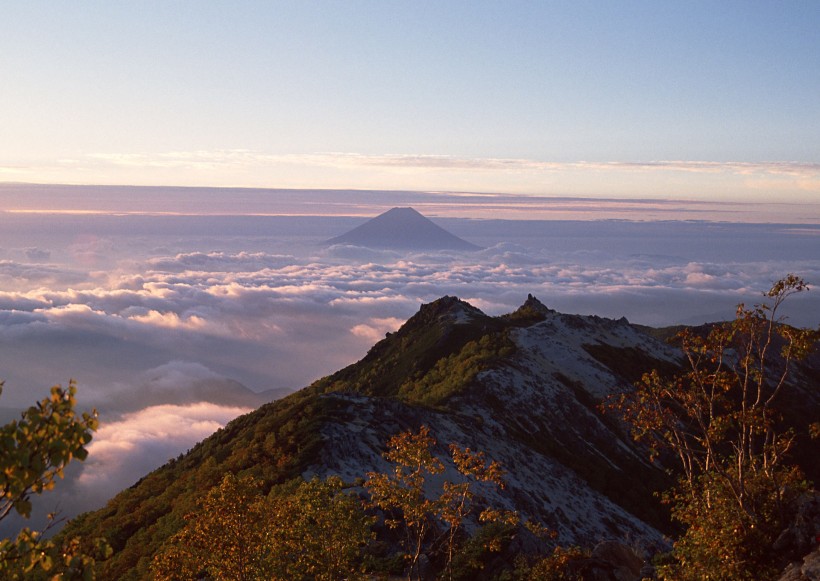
x=318, y=529
x=404, y=493
x=303, y=530
x=719, y=420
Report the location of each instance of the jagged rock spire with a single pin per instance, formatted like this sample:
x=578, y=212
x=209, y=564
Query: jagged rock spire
x=536, y=305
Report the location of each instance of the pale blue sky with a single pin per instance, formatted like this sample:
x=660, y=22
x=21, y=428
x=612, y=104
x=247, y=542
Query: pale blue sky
x=555, y=98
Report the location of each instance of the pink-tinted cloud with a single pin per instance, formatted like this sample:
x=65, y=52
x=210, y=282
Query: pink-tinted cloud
x=126, y=449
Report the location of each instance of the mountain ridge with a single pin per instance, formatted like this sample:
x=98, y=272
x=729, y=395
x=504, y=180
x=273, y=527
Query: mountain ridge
x=525, y=388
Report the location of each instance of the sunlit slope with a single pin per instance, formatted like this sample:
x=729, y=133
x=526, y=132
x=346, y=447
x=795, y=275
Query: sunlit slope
x=524, y=388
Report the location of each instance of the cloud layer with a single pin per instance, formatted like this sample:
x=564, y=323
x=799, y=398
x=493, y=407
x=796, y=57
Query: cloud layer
x=178, y=333
x=125, y=449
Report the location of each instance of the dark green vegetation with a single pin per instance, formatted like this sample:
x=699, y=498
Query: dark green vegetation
x=430, y=371
x=274, y=444
x=428, y=359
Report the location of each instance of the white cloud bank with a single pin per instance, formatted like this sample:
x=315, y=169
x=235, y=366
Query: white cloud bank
x=174, y=336
x=125, y=449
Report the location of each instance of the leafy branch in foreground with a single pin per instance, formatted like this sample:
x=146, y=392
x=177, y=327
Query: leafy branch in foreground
x=405, y=491
x=34, y=452
x=719, y=419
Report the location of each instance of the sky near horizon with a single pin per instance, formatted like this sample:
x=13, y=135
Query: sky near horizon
x=695, y=100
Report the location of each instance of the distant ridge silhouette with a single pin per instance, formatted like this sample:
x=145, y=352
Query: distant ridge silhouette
x=403, y=229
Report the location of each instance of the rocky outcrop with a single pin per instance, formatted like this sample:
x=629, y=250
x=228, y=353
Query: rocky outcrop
x=806, y=570
x=609, y=561
x=801, y=540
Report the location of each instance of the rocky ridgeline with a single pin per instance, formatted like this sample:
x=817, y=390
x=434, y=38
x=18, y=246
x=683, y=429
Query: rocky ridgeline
x=524, y=388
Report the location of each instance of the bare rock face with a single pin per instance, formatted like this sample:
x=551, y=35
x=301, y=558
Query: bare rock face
x=534, y=410
x=609, y=561
x=624, y=563
x=801, y=540
x=807, y=570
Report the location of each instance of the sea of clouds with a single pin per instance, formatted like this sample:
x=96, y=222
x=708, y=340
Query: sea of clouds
x=173, y=325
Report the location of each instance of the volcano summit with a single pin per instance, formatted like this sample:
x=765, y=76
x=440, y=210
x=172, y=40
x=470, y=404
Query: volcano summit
x=402, y=229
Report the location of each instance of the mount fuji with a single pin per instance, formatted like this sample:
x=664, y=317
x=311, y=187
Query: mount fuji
x=402, y=229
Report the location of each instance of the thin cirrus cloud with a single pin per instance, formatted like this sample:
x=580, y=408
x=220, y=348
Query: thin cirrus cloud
x=26, y=204
x=249, y=158
x=689, y=179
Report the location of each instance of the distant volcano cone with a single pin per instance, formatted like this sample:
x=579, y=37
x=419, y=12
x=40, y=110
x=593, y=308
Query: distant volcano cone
x=404, y=229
